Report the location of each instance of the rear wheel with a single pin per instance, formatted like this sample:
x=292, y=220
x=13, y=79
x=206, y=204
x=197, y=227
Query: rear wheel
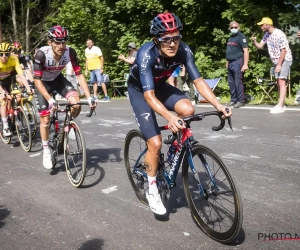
x=134, y=154
x=75, y=154
x=219, y=212
x=23, y=129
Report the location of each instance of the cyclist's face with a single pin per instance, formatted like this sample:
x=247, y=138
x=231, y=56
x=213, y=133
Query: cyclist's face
x=89, y=44
x=4, y=57
x=58, y=47
x=169, y=43
x=15, y=54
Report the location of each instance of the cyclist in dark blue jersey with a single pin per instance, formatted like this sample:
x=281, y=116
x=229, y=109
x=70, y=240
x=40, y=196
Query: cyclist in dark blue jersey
x=149, y=92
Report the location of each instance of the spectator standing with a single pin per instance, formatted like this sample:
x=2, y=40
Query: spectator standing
x=132, y=53
x=281, y=56
x=237, y=56
x=94, y=63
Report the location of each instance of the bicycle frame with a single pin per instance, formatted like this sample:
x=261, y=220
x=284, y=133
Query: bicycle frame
x=184, y=151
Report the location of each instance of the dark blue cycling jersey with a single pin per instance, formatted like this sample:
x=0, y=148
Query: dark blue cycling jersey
x=151, y=70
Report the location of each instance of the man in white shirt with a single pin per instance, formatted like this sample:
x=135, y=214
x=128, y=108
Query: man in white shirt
x=281, y=56
x=94, y=63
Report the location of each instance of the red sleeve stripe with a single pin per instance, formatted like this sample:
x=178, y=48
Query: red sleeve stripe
x=38, y=72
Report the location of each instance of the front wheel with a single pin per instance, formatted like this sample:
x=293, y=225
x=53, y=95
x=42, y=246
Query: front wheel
x=32, y=117
x=217, y=206
x=5, y=139
x=135, y=149
x=23, y=129
x=75, y=154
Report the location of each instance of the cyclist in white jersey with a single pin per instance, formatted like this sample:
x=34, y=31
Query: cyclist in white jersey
x=49, y=61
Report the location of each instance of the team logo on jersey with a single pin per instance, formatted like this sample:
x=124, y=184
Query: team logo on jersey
x=244, y=40
x=144, y=63
x=146, y=115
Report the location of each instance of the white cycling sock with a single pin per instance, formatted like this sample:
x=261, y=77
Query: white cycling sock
x=152, y=185
x=45, y=145
x=5, y=123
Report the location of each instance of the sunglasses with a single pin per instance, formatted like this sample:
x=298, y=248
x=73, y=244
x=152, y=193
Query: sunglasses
x=233, y=27
x=17, y=51
x=4, y=54
x=169, y=39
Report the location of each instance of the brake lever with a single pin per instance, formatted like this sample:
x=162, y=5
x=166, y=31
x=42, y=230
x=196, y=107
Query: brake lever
x=229, y=119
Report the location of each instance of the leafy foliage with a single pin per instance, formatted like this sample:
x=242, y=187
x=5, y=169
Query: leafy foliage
x=113, y=24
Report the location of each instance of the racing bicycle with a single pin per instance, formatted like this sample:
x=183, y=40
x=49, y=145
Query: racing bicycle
x=211, y=192
x=17, y=121
x=69, y=140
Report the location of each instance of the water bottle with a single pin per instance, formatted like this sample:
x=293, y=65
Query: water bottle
x=172, y=151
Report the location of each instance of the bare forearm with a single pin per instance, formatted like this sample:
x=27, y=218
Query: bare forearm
x=246, y=56
x=206, y=92
x=83, y=85
x=25, y=83
x=282, y=56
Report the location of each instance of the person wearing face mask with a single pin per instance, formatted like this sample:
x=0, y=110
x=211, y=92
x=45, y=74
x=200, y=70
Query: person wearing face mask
x=132, y=52
x=237, y=56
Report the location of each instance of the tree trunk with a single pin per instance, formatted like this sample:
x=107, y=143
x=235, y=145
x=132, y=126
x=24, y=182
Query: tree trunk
x=1, y=36
x=27, y=26
x=13, y=17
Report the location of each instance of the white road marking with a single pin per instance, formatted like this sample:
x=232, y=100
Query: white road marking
x=186, y=234
x=34, y=155
x=240, y=157
x=109, y=190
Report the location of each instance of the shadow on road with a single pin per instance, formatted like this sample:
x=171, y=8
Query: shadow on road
x=239, y=239
x=4, y=213
x=94, y=244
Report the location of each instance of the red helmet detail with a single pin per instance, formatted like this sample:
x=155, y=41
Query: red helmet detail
x=165, y=23
x=58, y=34
x=16, y=47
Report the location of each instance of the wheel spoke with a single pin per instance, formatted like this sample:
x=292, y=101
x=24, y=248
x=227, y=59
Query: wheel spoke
x=219, y=213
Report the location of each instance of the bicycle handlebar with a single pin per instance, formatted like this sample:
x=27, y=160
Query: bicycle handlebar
x=199, y=117
x=68, y=105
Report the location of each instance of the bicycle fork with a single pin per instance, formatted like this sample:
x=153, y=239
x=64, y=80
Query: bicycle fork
x=204, y=193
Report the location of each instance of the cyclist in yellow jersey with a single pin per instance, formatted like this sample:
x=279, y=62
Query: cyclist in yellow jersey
x=9, y=67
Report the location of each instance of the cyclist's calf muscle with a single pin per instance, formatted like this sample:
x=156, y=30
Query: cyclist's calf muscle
x=151, y=159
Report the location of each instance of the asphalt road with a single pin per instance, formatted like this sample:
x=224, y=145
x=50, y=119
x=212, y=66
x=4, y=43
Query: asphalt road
x=40, y=209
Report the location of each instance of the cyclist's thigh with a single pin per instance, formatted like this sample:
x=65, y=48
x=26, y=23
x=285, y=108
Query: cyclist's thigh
x=65, y=88
x=144, y=115
x=169, y=95
x=6, y=84
x=41, y=103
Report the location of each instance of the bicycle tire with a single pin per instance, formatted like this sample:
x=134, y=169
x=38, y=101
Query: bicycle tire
x=23, y=129
x=215, y=204
x=75, y=171
x=135, y=144
x=5, y=139
x=32, y=117
x=53, y=145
